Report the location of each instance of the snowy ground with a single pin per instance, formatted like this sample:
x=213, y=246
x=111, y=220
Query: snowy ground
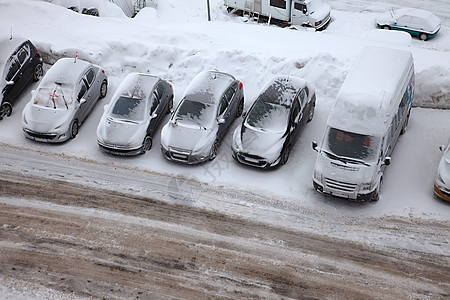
x=175, y=41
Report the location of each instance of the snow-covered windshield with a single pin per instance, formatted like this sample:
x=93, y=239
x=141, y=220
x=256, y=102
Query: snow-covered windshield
x=57, y=96
x=131, y=109
x=352, y=145
x=200, y=113
x=268, y=116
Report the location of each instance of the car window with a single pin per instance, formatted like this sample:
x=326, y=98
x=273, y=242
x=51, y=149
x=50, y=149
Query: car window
x=160, y=90
x=229, y=94
x=154, y=100
x=82, y=89
x=300, y=7
x=295, y=109
x=90, y=75
x=23, y=54
x=223, y=105
x=13, y=67
x=302, y=98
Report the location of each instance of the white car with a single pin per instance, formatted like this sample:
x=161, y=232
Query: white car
x=442, y=181
x=137, y=108
x=64, y=98
x=417, y=22
x=211, y=102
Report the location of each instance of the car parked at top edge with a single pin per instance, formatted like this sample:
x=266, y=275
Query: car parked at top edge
x=20, y=64
x=64, y=98
x=273, y=123
x=417, y=22
x=442, y=181
x=210, y=104
x=134, y=113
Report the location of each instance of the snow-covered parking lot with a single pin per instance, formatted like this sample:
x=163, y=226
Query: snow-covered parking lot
x=175, y=41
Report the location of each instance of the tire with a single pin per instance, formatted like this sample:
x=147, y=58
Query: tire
x=285, y=155
x=386, y=27
x=170, y=105
x=147, y=144
x=38, y=72
x=103, y=89
x=311, y=113
x=74, y=129
x=214, y=150
x=240, y=108
x=423, y=36
x=5, y=110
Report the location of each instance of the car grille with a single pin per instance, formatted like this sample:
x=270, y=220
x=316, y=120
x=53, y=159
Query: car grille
x=44, y=136
x=340, y=185
x=179, y=154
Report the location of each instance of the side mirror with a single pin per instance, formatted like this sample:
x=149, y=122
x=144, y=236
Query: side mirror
x=33, y=92
x=105, y=108
x=442, y=148
x=314, y=146
x=221, y=121
x=82, y=101
x=387, y=161
x=154, y=115
x=11, y=82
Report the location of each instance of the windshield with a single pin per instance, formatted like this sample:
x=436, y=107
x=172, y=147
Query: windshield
x=129, y=109
x=200, y=113
x=352, y=145
x=268, y=117
x=56, y=97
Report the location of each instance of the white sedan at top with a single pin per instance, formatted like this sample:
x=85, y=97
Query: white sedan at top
x=64, y=98
x=417, y=22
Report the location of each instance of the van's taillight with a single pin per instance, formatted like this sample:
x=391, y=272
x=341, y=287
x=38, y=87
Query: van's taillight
x=240, y=85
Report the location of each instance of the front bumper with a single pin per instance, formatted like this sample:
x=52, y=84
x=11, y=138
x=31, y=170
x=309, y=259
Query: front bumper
x=183, y=156
x=253, y=160
x=350, y=192
x=119, y=151
x=442, y=192
x=45, y=137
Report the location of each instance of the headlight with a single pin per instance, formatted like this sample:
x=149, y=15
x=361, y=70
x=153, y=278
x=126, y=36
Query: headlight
x=317, y=175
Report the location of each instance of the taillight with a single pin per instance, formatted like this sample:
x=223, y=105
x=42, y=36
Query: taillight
x=103, y=71
x=240, y=85
x=37, y=52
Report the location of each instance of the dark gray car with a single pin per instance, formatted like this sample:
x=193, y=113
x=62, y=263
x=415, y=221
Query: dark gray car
x=210, y=104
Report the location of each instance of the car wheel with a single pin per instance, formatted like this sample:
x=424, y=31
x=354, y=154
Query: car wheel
x=38, y=72
x=5, y=110
x=386, y=27
x=311, y=113
x=240, y=108
x=423, y=36
x=376, y=195
x=147, y=145
x=285, y=155
x=74, y=129
x=170, y=105
x=103, y=89
x=214, y=150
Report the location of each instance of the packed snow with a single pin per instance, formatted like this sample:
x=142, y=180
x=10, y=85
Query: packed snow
x=175, y=41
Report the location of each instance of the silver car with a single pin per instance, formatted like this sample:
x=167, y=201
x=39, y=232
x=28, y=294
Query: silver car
x=210, y=104
x=137, y=108
x=64, y=98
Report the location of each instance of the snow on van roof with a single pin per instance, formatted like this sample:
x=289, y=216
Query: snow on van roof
x=208, y=86
x=372, y=87
x=65, y=71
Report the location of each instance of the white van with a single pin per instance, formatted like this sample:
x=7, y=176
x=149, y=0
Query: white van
x=371, y=111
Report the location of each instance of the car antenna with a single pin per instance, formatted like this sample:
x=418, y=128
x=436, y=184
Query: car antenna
x=11, y=36
x=76, y=57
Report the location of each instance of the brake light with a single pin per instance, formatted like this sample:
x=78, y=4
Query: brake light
x=240, y=85
x=103, y=71
x=37, y=52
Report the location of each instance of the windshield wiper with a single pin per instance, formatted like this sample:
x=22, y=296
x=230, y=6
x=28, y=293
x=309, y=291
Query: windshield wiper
x=346, y=159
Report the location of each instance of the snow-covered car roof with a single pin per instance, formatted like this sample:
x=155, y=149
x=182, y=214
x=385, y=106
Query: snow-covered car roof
x=7, y=47
x=363, y=102
x=282, y=89
x=65, y=71
x=426, y=20
x=137, y=85
x=208, y=87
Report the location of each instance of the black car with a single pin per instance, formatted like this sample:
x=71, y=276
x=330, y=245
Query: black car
x=20, y=64
x=274, y=122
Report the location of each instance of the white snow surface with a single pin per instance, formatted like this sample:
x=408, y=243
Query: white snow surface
x=174, y=41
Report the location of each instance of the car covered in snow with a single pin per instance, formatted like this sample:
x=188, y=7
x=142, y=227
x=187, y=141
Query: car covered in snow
x=417, y=22
x=273, y=123
x=210, y=104
x=442, y=181
x=63, y=99
x=134, y=113
x=20, y=64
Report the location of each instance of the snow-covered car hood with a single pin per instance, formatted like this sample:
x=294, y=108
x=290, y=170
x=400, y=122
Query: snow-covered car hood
x=265, y=144
x=321, y=13
x=121, y=133
x=443, y=173
x=187, y=136
x=46, y=120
